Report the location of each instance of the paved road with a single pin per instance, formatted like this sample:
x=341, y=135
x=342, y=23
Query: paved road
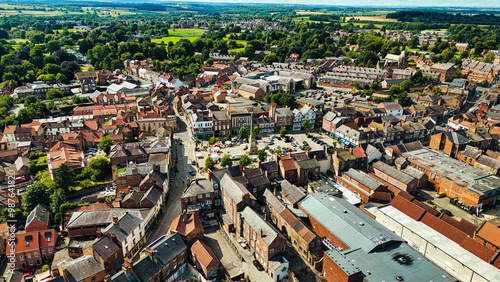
x=181, y=153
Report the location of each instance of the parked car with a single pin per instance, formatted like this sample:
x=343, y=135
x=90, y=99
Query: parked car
x=293, y=144
x=193, y=162
x=305, y=143
x=440, y=195
x=447, y=212
x=289, y=149
x=257, y=265
x=192, y=172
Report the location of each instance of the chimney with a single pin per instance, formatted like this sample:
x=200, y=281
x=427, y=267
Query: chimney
x=261, y=233
x=107, y=278
x=98, y=234
x=151, y=253
x=113, y=238
x=196, y=181
x=209, y=175
x=314, y=156
x=115, y=221
x=127, y=263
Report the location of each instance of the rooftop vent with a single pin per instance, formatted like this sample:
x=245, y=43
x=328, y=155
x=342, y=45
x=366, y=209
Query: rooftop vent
x=399, y=278
x=344, y=211
x=403, y=259
x=450, y=166
x=361, y=223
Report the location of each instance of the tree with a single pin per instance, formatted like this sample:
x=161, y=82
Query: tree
x=209, y=163
x=269, y=59
x=256, y=130
x=262, y=155
x=375, y=85
x=334, y=144
x=98, y=168
x=105, y=144
x=64, y=177
x=37, y=194
x=12, y=85
x=243, y=133
x=278, y=152
x=489, y=58
x=213, y=140
x=245, y=160
x=307, y=124
x=226, y=161
x=54, y=94
x=283, y=131
x=197, y=142
x=229, y=136
x=57, y=199
x=307, y=148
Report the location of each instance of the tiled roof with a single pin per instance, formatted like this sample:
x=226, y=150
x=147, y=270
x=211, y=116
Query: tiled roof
x=83, y=268
x=204, y=255
x=273, y=201
x=490, y=233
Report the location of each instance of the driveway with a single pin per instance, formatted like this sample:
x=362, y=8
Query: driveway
x=223, y=251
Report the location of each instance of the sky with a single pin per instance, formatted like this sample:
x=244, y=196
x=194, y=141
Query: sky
x=375, y=3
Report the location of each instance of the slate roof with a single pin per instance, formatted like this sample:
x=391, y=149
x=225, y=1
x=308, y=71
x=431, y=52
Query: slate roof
x=257, y=223
x=153, y=194
x=393, y=172
x=82, y=268
x=105, y=247
x=40, y=212
x=488, y=162
x=292, y=193
x=167, y=248
x=308, y=164
x=234, y=189
x=86, y=218
x=273, y=201
x=363, y=178
x=133, y=196
x=202, y=187
x=127, y=222
x=456, y=138
x=271, y=166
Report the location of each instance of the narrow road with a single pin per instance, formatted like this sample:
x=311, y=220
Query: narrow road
x=181, y=154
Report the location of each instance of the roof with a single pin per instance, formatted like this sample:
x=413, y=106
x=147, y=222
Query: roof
x=186, y=224
x=167, y=247
x=40, y=212
x=204, y=255
x=308, y=164
x=298, y=226
x=456, y=138
x=488, y=162
x=292, y=193
x=471, y=178
x=393, y=172
x=364, y=179
x=82, y=268
x=233, y=188
x=270, y=166
x=197, y=187
x=105, y=247
x=273, y=201
x=445, y=245
x=490, y=233
x=371, y=246
x=86, y=218
x=133, y=196
x=258, y=224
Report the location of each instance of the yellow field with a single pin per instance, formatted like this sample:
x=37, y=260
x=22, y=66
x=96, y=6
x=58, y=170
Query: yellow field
x=302, y=12
x=373, y=19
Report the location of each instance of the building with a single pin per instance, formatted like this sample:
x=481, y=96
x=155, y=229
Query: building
x=199, y=197
x=450, y=143
x=33, y=248
x=392, y=108
x=447, y=71
x=17, y=133
x=188, y=226
x=85, y=268
x=395, y=177
x=456, y=260
x=38, y=219
x=204, y=259
x=163, y=260
x=283, y=117
x=288, y=169
x=63, y=153
x=235, y=197
x=264, y=241
x=488, y=235
x=222, y=123
x=359, y=248
x=251, y=92
x=107, y=252
x=364, y=186
x=472, y=186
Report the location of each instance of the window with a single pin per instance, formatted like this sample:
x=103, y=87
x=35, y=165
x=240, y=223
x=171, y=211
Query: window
x=200, y=196
x=271, y=251
x=50, y=251
x=207, y=195
x=21, y=257
x=29, y=256
x=255, y=190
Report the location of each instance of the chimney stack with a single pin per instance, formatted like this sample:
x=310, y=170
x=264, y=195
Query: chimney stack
x=113, y=238
x=261, y=233
x=196, y=180
x=115, y=221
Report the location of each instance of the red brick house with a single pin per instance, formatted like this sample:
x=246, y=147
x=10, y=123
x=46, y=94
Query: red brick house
x=38, y=219
x=32, y=248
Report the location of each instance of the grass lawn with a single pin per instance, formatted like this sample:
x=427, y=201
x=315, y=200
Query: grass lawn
x=86, y=68
x=120, y=170
x=178, y=34
x=17, y=41
x=236, y=50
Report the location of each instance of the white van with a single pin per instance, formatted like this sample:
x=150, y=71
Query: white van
x=236, y=156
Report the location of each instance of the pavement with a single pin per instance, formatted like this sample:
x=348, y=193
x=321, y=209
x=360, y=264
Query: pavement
x=457, y=213
x=223, y=251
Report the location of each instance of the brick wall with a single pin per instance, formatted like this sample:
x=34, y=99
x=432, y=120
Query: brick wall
x=333, y=273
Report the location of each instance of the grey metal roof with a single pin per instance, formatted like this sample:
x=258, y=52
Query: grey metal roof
x=352, y=226
x=258, y=224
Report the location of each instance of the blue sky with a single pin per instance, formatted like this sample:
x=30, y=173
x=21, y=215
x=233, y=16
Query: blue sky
x=377, y=3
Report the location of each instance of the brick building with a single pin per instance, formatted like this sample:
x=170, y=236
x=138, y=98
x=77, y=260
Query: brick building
x=33, y=248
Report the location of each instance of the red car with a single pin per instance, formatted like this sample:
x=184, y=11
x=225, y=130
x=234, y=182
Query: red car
x=289, y=149
x=257, y=265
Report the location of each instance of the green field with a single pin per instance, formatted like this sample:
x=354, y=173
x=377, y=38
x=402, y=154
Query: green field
x=178, y=34
x=236, y=50
x=17, y=41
